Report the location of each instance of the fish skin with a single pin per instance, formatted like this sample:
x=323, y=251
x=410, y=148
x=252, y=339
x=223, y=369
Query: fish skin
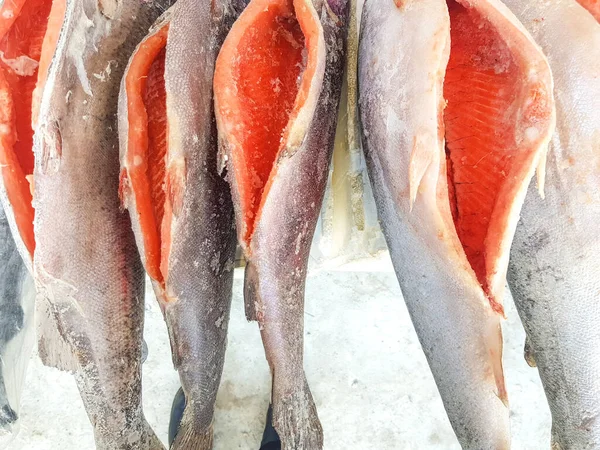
x=203, y=234
x=86, y=266
x=403, y=52
x=16, y=297
x=203, y=240
x=554, y=274
x=277, y=255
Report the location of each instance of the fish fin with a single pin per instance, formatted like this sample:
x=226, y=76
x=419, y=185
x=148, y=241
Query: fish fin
x=295, y=419
x=250, y=291
x=190, y=437
x=528, y=353
x=541, y=173
x=421, y=157
x=53, y=349
x=176, y=180
x=173, y=338
x=495, y=344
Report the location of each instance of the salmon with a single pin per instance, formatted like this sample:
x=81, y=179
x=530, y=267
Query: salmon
x=554, y=274
x=17, y=295
x=457, y=111
x=87, y=269
x=277, y=86
x=180, y=205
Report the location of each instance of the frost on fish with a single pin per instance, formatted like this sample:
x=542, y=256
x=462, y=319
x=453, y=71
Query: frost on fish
x=457, y=116
x=278, y=144
x=17, y=296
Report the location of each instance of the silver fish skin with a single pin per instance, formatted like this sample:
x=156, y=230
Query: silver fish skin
x=196, y=297
x=554, y=274
x=17, y=296
x=86, y=266
x=404, y=52
x=277, y=255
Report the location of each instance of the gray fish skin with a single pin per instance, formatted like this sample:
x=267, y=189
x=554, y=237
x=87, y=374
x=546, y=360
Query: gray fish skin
x=203, y=234
x=279, y=249
x=87, y=269
x=15, y=300
x=554, y=273
x=203, y=241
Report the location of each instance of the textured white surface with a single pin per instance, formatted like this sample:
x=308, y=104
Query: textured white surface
x=371, y=382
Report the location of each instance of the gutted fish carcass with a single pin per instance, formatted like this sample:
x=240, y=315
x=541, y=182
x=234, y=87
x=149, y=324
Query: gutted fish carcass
x=457, y=110
x=180, y=205
x=277, y=84
x=28, y=33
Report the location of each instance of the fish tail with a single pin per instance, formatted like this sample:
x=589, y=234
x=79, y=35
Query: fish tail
x=295, y=419
x=53, y=348
x=192, y=436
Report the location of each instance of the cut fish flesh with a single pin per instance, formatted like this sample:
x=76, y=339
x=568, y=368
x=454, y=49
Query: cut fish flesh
x=20, y=55
x=592, y=6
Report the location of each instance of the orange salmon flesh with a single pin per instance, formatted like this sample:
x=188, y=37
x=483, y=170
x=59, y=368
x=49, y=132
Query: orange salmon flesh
x=28, y=34
x=262, y=79
x=482, y=84
x=147, y=149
